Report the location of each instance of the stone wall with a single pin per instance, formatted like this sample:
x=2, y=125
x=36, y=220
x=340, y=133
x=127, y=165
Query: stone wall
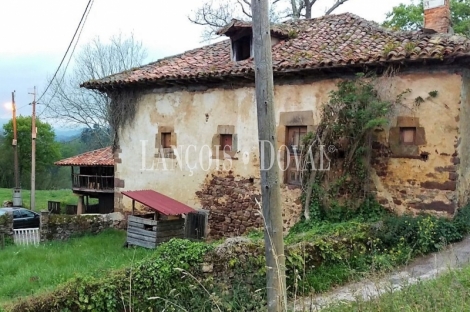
x=411, y=179
x=422, y=175
x=232, y=204
x=62, y=227
x=6, y=228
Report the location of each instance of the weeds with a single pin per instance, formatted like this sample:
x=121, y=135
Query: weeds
x=449, y=292
x=31, y=270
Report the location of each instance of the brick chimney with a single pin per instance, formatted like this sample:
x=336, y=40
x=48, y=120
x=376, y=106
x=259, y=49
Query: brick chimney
x=437, y=16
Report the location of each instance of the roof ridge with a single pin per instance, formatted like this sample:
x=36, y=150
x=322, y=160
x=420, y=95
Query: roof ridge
x=335, y=40
x=68, y=159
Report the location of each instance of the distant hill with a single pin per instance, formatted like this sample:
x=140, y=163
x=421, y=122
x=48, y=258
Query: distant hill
x=67, y=134
x=2, y=122
x=61, y=134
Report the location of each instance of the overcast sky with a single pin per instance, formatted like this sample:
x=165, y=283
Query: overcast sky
x=35, y=34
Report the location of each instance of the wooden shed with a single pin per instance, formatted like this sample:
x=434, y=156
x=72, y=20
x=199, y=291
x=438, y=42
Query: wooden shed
x=92, y=175
x=165, y=223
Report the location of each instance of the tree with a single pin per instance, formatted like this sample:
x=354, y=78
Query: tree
x=6, y=163
x=411, y=17
x=68, y=103
x=93, y=138
x=47, y=151
x=215, y=14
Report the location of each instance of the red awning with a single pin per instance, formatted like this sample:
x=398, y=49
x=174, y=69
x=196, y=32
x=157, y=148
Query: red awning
x=159, y=202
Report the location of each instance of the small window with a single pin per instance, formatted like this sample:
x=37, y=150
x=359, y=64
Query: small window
x=294, y=142
x=293, y=177
x=408, y=136
x=226, y=142
x=166, y=140
x=295, y=136
x=241, y=48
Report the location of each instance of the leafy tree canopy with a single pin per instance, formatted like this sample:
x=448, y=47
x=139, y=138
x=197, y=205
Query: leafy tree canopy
x=411, y=16
x=47, y=149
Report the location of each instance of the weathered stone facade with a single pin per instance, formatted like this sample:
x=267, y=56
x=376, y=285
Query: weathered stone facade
x=422, y=176
x=63, y=227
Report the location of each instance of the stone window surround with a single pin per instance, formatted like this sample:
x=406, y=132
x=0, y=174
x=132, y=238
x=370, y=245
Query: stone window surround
x=217, y=153
x=292, y=119
x=401, y=149
x=167, y=152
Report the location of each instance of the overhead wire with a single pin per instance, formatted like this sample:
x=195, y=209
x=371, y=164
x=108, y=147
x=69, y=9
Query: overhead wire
x=70, y=57
x=67, y=51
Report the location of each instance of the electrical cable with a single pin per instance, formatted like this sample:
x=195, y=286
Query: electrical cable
x=68, y=62
x=66, y=52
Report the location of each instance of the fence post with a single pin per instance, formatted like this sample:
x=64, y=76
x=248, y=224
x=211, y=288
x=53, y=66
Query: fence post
x=44, y=226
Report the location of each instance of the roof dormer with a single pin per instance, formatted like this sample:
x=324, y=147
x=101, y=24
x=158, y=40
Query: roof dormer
x=241, y=37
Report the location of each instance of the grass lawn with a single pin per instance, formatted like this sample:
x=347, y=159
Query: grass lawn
x=66, y=197
x=28, y=270
x=450, y=292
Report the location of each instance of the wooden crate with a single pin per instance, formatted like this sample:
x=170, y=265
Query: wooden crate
x=149, y=233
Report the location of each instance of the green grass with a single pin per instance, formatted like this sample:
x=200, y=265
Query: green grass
x=65, y=197
x=29, y=270
x=450, y=292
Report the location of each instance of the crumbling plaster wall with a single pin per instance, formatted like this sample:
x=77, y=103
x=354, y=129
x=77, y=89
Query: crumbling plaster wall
x=195, y=117
x=200, y=181
x=428, y=181
x=463, y=144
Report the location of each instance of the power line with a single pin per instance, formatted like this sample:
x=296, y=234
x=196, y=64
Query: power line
x=68, y=62
x=66, y=52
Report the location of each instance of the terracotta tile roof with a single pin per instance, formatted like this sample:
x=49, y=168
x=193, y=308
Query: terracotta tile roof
x=99, y=157
x=327, y=42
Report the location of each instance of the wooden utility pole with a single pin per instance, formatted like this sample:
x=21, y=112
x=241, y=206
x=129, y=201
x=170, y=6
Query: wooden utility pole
x=270, y=186
x=15, y=142
x=17, y=200
x=33, y=153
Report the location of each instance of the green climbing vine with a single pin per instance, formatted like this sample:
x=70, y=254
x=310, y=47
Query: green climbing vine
x=354, y=110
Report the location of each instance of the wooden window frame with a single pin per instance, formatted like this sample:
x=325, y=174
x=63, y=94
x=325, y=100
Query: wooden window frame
x=165, y=136
x=163, y=150
x=290, y=152
x=218, y=151
x=222, y=142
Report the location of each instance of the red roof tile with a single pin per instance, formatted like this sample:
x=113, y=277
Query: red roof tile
x=159, y=202
x=330, y=41
x=99, y=157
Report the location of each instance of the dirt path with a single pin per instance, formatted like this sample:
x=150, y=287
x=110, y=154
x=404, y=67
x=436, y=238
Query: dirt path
x=424, y=268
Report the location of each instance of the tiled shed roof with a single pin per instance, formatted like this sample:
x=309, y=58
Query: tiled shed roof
x=327, y=42
x=99, y=157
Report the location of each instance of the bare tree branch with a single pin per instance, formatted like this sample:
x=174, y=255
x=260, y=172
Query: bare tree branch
x=74, y=106
x=243, y=7
x=335, y=6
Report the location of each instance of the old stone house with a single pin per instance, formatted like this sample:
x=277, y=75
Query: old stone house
x=178, y=111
